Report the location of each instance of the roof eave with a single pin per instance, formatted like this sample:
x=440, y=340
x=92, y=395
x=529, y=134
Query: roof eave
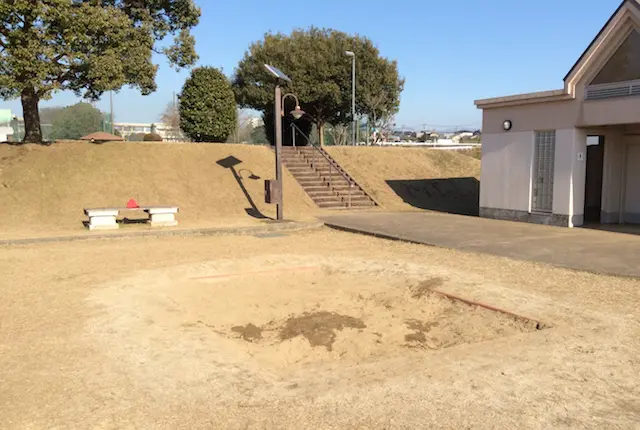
x=524, y=99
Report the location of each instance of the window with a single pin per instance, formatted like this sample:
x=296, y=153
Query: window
x=543, y=166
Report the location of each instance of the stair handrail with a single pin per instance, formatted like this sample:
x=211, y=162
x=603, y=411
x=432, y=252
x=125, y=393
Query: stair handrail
x=327, y=159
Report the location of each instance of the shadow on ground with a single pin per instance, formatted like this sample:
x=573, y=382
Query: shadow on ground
x=232, y=163
x=616, y=228
x=451, y=195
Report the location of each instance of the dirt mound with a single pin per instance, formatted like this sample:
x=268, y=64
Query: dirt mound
x=45, y=188
x=415, y=178
x=347, y=310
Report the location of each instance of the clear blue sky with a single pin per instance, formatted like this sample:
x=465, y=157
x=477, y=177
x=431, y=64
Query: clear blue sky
x=449, y=52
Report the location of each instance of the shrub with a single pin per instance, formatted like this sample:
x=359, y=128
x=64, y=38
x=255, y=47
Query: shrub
x=207, y=106
x=152, y=137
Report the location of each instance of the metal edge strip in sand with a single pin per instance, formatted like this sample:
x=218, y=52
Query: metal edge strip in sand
x=214, y=231
x=540, y=325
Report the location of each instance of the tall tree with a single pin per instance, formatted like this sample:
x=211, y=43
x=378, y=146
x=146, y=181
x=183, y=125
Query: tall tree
x=76, y=121
x=171, y=116
x=315, y=60
x=207, y=106
x=48, y=114
x=88, y=47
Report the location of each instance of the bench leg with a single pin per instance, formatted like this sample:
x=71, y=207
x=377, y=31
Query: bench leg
x=106, y=222
x=163, y=220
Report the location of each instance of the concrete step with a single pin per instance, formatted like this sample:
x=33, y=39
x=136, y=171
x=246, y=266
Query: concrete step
x=323, y=193
x=354, y=193
x=312, y=188
x=358, y=201
x=307, y=177
x=311, y=183
x=325, y=199
x=335, y=182
x=301, y=170
x=345, y=187
x=331, y=205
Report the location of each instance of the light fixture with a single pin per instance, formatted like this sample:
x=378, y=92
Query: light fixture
x=297, y=113
x=507, y=125
x=349, y=53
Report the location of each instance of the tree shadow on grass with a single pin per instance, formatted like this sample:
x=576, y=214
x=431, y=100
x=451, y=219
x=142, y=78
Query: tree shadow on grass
x=451, y=195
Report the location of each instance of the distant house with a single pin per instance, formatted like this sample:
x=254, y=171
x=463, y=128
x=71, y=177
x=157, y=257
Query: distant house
x=570, y=156
x=457, y=137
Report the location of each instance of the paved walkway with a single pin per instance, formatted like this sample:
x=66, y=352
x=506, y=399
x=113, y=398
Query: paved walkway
x=581, y=249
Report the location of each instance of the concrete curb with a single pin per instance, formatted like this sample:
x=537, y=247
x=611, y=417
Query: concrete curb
x=274, y=227
x=375, y=234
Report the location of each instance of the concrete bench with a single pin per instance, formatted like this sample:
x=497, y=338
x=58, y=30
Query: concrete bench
x=105, y=218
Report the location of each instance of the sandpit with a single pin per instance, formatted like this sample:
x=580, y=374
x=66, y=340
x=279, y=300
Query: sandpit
x=277, y=313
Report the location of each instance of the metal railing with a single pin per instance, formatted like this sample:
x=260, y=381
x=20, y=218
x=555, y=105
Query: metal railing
x=315, y=160
x=612, y=90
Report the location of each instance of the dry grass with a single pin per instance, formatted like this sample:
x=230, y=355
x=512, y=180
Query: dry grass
x=373, y=166
x=133, y=341
x=43, y=189
x=47, y=187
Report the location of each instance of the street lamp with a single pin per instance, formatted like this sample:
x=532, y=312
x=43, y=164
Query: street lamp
x=353, y=92
x=297, y=113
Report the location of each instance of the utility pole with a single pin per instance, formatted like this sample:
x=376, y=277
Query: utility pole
x=111, y=114
x=278, y=131
x=353, y=94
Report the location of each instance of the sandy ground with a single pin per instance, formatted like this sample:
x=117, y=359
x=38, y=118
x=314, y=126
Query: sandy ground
x=313, y=330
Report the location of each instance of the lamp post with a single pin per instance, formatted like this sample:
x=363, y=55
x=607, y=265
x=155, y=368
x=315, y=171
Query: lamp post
x=278, y=114
x=353, y=93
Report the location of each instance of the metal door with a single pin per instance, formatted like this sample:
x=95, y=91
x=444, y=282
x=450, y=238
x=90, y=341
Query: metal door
x=543, y=163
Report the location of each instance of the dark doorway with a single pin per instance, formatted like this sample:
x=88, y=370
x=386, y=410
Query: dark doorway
x=593, y=182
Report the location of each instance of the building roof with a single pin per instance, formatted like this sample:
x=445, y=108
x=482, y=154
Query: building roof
x=604, y=27
x=565, y=93
x=101, y=136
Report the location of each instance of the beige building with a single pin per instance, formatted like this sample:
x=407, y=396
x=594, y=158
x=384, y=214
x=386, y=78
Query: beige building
x=570, y=156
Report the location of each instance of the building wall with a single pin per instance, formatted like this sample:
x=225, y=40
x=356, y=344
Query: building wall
x=569, y=175
x=632, y=183
x=506, y=177
x=614, y=161
x=539, y=116
x=506, y=170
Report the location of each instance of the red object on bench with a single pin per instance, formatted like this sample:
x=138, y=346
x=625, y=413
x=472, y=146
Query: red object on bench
x=132, y=204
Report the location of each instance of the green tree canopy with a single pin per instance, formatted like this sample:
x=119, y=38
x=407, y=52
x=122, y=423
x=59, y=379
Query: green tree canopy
x=88, y=47
x=76, y=121
x=207, y=106
x=321, y=72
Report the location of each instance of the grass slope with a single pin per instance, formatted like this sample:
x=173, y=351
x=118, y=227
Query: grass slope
x=411, y=170
x=46, y=188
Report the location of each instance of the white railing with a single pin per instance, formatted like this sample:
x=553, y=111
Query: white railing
x=616, y=89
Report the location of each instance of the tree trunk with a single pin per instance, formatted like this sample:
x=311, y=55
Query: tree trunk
x=32, y=131
x=321, y=133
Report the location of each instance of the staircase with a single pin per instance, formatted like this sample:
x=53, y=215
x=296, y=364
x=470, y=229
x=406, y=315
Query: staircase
x=328, y=185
